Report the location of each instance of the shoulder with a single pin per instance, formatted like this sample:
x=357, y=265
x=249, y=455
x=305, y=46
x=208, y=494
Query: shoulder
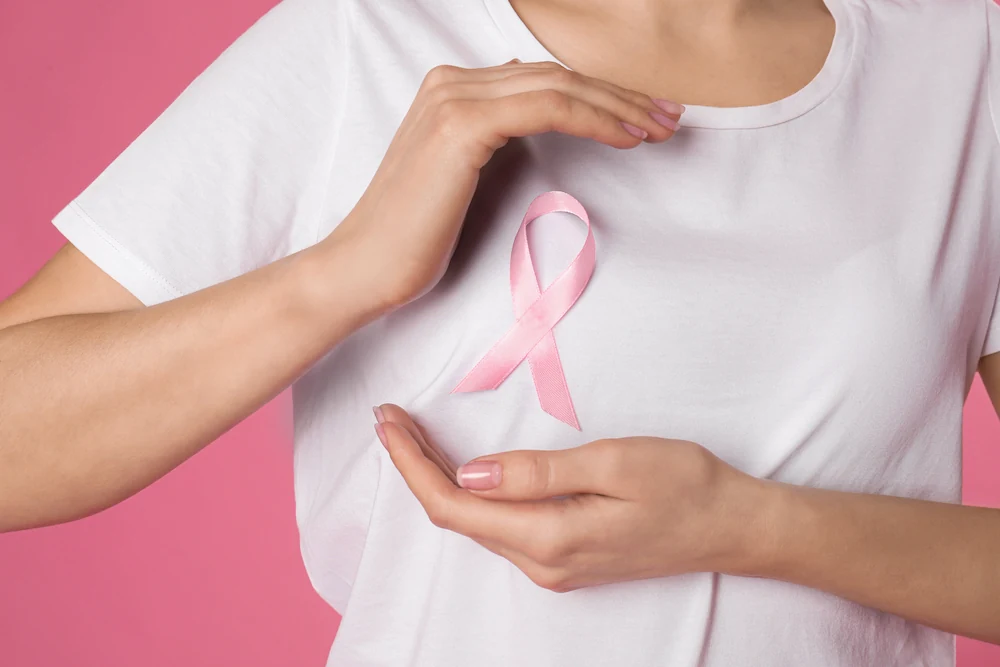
x=383, y=15
x=945, y=23
x=946, y=50
x=944, y=29
x=415, y=34
x=914, y=12
x=446, y=14
x=993, y=60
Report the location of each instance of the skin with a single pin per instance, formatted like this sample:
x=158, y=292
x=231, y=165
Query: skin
x=141, y=389
x=710, y=52
x=637, y=507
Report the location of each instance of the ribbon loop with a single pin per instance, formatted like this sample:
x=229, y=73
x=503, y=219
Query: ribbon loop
x=536, y=313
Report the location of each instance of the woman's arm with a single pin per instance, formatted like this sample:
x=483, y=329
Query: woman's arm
x=935, y=563
x=619, y=509
x=94, y=406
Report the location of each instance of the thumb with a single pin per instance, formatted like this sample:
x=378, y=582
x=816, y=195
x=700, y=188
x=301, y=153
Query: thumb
x=530, y=474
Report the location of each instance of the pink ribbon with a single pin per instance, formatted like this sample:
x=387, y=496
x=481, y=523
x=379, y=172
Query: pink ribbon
x=536, y=313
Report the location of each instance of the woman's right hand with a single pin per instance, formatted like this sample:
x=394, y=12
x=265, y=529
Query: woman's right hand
x=406, y=224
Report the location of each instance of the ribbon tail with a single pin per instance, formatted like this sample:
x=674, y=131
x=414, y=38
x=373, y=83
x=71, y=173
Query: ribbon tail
x=550, y=381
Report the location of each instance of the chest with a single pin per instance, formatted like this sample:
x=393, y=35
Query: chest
x=751, y=291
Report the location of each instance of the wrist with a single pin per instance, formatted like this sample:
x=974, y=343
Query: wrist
x=758, y=523
x=338, y=285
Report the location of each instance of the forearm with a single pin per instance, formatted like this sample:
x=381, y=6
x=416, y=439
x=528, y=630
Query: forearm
x=94, y=407
x=934, y=563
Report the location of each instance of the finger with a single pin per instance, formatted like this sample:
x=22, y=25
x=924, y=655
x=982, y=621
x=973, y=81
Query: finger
x=449, y=468
x=423, y=476
x=671, y=109
x=393, y=412
x=538, y=111
x=636, y=109
x=511, y=524
x=532, y=569
x=556, y=570
x=508, y=68
x=630, y=105
x=512, y=555
x=493, y=120
x=433, y=453
x=447, y=74
x=512, y=68
x=592, y=468
x=551, y=578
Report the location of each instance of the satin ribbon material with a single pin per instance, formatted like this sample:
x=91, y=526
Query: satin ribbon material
x=536, y=313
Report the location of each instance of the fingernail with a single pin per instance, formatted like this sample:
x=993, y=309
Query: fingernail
x=665, y=121
x=381, y=436
x=379, y=417
x=513, y=60
x=670, y=107
x=635, y=131
x=479, y=475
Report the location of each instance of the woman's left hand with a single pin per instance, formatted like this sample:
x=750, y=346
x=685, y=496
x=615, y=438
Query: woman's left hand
x=613, y=509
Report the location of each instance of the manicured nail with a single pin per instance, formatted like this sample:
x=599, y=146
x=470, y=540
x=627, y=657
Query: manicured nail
x=670, y=107
x=665, y=121
x=479, y=475
x=379, y=417
x=635, y=131
x=381, y=435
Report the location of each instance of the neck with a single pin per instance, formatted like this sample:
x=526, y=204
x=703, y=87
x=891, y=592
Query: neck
x=691, y=10
x=711, y=52
x=678, y=15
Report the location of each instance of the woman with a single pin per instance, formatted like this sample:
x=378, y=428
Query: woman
x=797, y=259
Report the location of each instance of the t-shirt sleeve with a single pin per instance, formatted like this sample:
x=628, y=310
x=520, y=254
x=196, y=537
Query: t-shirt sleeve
x=233, y=175
x=992, y=342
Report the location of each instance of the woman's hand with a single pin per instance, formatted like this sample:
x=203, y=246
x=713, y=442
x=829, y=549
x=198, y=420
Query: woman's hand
x=629, y=508
x=610, y=510
x=407, y=223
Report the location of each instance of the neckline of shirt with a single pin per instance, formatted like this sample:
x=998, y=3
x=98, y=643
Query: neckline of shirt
x=841, y=53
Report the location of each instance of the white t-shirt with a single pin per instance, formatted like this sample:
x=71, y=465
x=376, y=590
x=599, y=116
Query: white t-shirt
x=803, y=287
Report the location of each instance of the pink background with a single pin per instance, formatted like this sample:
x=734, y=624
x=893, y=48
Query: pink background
x=202, y=568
